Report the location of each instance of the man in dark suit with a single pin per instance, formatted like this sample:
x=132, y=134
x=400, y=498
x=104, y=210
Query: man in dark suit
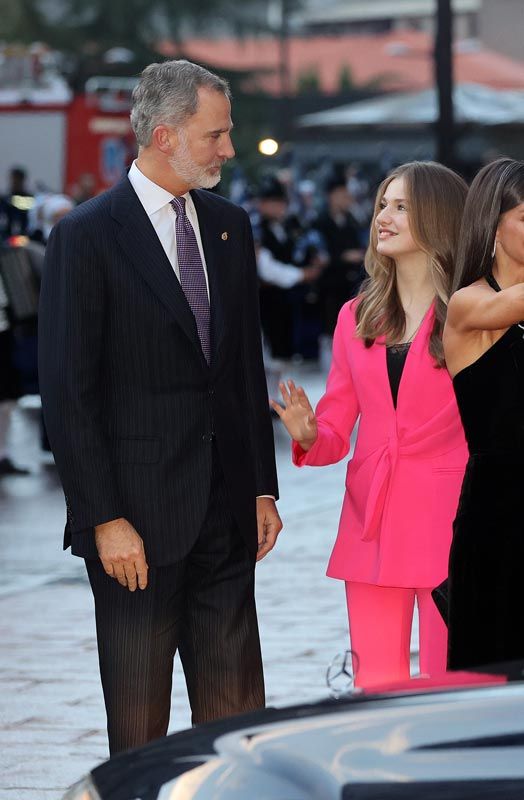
x=343, y=236
x=156, y=406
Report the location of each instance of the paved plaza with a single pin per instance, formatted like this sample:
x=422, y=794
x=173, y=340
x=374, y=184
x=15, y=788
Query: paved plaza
x=52, y=716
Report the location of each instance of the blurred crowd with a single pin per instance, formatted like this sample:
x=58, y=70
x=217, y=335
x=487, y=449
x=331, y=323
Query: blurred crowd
x=310, y=239
x=26, y=220
x=310, y=236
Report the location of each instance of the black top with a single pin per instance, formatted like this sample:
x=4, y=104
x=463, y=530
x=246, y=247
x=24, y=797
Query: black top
x=492, y=282
x=490, y=394
x=396, y=355
x=485, y=568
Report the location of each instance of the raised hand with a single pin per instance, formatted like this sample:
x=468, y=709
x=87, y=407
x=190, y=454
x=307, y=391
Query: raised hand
x=297, y=415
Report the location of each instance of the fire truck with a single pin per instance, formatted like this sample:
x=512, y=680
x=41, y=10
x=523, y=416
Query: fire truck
x=56, y=136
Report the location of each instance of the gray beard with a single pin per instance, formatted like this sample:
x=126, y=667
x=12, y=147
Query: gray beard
x=194, y=175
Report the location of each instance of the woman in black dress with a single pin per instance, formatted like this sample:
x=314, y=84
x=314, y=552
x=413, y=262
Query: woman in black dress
x=484, y=348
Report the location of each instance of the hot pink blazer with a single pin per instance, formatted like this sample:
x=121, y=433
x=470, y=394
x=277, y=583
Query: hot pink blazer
x=403, y=482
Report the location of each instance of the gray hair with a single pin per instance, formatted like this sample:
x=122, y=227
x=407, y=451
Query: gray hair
x=168, y=93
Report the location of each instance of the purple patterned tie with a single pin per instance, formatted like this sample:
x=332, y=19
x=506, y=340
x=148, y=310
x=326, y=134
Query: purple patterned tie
x=192, y=276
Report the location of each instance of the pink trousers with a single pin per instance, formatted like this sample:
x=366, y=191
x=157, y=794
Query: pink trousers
x=380, y=621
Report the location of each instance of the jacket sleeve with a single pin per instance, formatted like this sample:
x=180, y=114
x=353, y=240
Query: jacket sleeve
x=254, y=378
x=338, y=409
x=71, y=341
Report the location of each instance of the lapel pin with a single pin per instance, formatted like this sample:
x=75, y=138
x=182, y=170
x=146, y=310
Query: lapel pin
x=224, y=236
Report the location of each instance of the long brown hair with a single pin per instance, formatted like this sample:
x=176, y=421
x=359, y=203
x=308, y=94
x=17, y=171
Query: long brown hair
x=436, y=197
x=497, y=188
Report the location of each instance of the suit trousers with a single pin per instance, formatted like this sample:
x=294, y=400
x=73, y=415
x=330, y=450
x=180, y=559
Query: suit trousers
x=380, y=621
x=203, y=606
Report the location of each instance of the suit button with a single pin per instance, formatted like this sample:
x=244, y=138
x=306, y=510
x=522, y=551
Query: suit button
x=208, y=437
x=211, y=392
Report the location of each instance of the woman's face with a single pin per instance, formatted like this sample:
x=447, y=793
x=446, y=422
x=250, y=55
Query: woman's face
x=394, y=237
x=510, y=234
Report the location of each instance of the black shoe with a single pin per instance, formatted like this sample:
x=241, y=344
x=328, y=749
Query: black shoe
x=8, y=468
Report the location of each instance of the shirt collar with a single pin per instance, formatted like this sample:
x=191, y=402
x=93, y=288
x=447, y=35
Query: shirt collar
x=150, y=194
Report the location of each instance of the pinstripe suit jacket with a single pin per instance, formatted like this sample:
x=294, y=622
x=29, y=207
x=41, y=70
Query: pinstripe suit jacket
x=130, y=403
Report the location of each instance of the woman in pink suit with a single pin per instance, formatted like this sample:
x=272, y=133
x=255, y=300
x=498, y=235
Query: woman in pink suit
x=388, y=372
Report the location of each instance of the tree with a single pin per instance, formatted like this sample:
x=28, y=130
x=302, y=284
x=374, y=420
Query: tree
x=134, y=24
x=83, y=31
x=22, y=21
x=308, y=81
x=345, y=79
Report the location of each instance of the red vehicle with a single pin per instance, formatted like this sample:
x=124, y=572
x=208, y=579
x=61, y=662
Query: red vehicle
x=66, y=143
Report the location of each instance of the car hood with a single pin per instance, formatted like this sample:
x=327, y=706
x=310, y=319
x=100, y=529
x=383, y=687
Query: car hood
x=315, y=750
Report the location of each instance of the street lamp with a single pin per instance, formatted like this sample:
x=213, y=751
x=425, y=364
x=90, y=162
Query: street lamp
x=445, y=126
x=268, y=147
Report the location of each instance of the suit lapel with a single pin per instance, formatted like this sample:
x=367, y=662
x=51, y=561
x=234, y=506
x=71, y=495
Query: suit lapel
x=139, y=241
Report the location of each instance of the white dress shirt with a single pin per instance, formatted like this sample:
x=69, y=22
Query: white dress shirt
x=157, y=205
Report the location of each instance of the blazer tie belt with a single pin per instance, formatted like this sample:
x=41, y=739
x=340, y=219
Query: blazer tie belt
x=424, y=441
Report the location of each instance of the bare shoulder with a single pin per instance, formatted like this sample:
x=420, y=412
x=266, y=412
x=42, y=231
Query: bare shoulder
x=469, y=295
x=468, y=332
x=464, y=300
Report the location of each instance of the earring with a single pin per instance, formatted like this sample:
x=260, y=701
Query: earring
x=494, y=249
